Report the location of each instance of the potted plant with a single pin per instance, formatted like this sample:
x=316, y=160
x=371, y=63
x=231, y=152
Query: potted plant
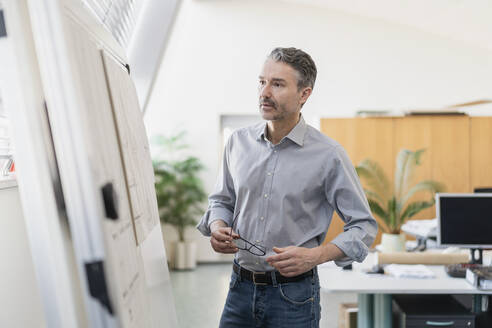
x=179, y=193
x=391, y=204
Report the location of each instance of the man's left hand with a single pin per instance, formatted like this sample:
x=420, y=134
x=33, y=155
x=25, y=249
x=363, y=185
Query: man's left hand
x=292, y=261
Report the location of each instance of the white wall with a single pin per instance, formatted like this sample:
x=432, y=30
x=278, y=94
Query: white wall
x=217, y=48
x=20, y=304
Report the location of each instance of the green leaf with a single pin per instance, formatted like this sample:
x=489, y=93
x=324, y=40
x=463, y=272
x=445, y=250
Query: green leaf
x=392, y=214
x=406, y=162
x=373, y=195
x=375, y=178
x=427, y=185
x=413, y=208
x=377, y=209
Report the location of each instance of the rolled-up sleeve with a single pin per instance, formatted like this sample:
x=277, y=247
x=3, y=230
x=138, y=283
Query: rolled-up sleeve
x=223, y=198
x=345, y=194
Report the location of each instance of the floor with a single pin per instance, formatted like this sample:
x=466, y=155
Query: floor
x=199, y=296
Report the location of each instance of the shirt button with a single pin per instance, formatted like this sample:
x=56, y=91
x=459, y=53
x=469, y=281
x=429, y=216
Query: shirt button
x=262, y=218
x=266, y=195
x=274, y=151
x=257, y=262
x=269, y=173
x=257, y=241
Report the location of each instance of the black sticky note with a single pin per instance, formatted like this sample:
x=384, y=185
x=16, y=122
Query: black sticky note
x=3, y=31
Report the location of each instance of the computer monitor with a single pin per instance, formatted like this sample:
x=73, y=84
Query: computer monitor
x=465, y=220
x=483, y=189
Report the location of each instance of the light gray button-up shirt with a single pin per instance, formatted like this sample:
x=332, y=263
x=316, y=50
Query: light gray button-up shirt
x=286, y=194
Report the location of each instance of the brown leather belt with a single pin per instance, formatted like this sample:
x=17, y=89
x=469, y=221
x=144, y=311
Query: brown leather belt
x=265, y=278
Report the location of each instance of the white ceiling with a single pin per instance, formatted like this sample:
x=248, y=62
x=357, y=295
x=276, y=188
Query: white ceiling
x=468, y=21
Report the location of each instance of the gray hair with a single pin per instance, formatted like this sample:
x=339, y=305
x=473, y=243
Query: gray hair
x=298, y=60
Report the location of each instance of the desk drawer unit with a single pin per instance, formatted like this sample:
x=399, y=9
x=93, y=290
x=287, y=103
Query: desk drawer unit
x=430, y=311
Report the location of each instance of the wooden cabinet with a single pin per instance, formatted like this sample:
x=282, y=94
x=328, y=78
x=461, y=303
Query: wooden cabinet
x=458, y=150
x=480, y=152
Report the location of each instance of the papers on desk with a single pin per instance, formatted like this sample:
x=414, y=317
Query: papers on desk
x=422, y=228
x=418, y=271
x=480, y=277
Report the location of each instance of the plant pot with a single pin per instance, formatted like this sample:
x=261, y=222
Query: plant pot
x=184, y=255
x=393, y=242
x=179, y=256
x=190, y=255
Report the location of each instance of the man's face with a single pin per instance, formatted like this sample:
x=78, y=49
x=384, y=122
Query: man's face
x=277, y=90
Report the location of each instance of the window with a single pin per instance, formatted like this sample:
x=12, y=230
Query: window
x=117, y=16
x=229, y=123
x=5, y=143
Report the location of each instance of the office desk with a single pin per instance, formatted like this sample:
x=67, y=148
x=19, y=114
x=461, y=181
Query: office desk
x=374, y=290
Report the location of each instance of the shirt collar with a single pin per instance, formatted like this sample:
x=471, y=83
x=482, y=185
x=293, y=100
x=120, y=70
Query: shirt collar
x=296, y=134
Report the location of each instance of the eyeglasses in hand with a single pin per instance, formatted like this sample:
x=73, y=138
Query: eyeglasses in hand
x=245, y=245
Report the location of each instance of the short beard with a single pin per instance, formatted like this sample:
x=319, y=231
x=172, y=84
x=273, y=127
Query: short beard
x=279, y=114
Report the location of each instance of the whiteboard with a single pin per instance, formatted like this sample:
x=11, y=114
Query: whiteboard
x=97, y=132
x=134, y=147
x=122, y=264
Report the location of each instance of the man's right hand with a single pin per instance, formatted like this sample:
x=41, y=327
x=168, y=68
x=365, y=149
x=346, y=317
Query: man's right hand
x=221, y=238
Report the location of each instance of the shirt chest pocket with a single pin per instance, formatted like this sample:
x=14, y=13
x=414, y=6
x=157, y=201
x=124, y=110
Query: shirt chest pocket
x=250, y=179
x=299, y=185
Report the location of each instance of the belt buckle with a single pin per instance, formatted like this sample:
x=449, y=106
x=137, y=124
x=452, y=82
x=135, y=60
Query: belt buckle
x=254, y=279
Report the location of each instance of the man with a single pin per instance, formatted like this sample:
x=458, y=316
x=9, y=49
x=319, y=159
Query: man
x=273, y=203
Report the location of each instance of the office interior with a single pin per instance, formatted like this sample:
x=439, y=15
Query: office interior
x=195, y=65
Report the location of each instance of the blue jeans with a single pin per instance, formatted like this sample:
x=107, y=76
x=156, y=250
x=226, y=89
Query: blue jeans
x=294, y=304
